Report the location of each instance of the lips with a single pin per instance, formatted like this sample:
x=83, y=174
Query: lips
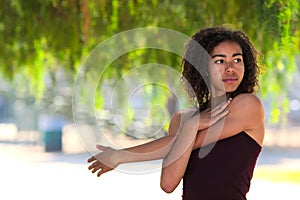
x=230, y=79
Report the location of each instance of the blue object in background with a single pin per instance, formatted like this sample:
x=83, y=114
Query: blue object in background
x=51, y=128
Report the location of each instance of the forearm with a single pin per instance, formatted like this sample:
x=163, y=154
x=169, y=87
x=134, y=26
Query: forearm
x=153, y=150
x=218, y=131
x=199, y=139
x=174, y=165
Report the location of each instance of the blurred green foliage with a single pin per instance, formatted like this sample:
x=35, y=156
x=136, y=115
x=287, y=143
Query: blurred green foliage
x=38, y=36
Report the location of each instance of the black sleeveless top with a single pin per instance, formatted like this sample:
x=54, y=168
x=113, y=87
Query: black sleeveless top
x=225, y=172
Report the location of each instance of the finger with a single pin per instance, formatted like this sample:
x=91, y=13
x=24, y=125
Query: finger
x=96, y=168
x=220, y=108
x=102, y=171
x=91, y=159
x=93, y=165
x=219, y=116
x=100, y=147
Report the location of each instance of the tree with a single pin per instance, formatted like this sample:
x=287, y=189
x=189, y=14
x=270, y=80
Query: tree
x=39, y=36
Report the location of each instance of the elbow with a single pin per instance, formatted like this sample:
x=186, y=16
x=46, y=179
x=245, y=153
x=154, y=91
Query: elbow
x=168, y=186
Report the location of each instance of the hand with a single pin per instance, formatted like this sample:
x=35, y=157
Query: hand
x=209, y=117
x=104, y=161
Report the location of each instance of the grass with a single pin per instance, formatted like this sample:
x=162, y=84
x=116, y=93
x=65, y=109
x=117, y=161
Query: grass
x=278, y=175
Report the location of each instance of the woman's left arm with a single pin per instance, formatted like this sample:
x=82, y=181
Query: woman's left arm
x=174, y=164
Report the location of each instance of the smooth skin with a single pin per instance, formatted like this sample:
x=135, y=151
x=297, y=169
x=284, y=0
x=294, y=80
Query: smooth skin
x=186, y=132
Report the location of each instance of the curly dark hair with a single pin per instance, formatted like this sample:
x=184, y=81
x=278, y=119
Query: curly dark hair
x=196, y=85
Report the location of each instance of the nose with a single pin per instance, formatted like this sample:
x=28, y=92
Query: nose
x=229, y=67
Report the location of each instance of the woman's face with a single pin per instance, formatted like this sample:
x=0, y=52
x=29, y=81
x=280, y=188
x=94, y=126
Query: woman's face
x=227, y=69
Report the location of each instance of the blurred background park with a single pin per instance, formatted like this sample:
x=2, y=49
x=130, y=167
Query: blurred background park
x=43, y=44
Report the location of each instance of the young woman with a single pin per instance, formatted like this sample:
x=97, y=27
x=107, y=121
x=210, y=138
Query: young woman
x=228, y=124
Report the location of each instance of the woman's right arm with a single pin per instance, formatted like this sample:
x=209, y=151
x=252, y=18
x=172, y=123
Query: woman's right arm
x=109, y=158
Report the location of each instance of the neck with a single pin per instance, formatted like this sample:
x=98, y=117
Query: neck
x=217, y=100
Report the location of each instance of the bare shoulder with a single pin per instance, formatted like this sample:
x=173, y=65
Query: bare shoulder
x=249, y=109
x=249, y=103
x=247, y=98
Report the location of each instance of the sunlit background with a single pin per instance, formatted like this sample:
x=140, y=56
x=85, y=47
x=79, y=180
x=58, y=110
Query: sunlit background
x=44, y=43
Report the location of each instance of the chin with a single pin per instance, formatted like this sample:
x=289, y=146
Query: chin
x=230, y=90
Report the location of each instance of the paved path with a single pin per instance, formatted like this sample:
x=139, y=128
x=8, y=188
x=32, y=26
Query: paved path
x=29, y=173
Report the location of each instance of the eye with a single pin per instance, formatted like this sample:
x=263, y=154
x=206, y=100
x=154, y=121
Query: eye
x=219, y=61
x=237, y=60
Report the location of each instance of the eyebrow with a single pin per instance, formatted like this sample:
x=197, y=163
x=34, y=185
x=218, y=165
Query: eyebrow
x=224, y=56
